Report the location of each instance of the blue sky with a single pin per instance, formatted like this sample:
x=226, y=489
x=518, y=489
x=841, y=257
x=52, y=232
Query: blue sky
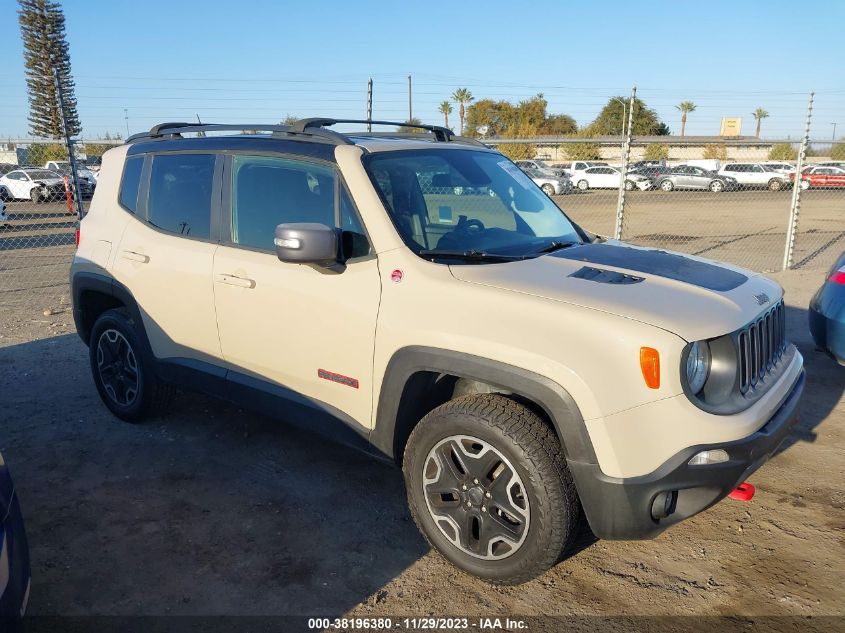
x=260, y=60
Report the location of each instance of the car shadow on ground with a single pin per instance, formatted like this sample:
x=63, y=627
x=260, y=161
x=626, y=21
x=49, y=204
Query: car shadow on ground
x=207, y=510
x=825, y=380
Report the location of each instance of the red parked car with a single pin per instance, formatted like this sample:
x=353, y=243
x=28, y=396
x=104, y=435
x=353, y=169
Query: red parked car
x=821, y=177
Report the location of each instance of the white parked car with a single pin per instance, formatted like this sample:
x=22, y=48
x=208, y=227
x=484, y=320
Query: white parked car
x=32, y=183
x=551, y=185
x=755, y=175
x=779, y=166
x=609, y=178
x=539, y=166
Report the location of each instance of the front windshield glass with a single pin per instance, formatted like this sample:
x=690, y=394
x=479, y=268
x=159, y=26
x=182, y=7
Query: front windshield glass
x=466, y=201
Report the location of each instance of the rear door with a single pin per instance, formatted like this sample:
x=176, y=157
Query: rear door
x=295, y=330
x=167, y=250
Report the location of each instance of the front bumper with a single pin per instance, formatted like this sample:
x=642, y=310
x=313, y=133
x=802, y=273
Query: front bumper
x=619, y=508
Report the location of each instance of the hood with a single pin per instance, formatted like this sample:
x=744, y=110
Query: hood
x=689, y=296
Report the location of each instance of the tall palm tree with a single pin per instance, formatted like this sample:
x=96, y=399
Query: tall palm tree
x=685, y=107
x=462, y=96
x=445, y=110
x=759, y=114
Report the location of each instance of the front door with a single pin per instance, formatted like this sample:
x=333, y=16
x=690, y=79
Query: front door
x=293, y=327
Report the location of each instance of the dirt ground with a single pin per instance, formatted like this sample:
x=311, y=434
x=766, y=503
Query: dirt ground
x=215, y=511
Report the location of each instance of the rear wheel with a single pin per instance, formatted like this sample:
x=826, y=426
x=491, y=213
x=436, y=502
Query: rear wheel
x=775, y=184
x=489, y=488
x=583, y=185
x=667, y=185
x=805, y=184
x=717, y=186
x=548, y=189
x=123, y=373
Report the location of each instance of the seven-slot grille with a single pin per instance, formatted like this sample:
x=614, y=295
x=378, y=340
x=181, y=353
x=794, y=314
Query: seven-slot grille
x=761, y=345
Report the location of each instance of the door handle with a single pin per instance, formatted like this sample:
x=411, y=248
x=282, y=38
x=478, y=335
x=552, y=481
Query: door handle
x=135, y=257
x=234, y=280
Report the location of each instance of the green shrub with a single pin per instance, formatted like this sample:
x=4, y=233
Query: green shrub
x=582, y=151
x=656, y=151
x=837, y=151
x=715, y=152
x=783, y=151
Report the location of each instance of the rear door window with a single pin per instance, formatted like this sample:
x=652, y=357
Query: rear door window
x=180, y=194
x=131, y=183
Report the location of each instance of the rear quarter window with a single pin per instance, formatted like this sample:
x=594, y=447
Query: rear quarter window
x=130, y=183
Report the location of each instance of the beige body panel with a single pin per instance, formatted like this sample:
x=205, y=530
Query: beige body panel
x=283, y=322
x=170, y=278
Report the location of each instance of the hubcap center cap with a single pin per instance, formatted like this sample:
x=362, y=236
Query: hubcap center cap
x=475, y=496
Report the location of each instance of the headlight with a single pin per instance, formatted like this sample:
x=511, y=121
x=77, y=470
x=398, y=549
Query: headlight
x=698, y=366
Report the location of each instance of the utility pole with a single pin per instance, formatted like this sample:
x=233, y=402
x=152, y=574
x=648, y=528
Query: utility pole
x=626, y=153
x=370, y=105
x=834, y=131
x=68, y=142
x=410, y=107
x=126, y=118
x=795, y=206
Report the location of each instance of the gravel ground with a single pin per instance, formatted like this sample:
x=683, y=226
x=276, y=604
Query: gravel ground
x=214, y=511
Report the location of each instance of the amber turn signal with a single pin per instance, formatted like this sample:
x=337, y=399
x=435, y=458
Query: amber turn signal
x=650, y=365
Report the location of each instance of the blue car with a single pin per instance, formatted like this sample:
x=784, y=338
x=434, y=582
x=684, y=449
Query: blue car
x=14, y=554
x=827, y=313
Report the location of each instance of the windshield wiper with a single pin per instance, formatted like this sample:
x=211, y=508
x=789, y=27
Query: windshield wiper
x=551, y=247
x=470, y=255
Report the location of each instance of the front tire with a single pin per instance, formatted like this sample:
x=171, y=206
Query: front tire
x=548, y=189
x=717, y=186
x=489, y=488
x=123, y=372
x=667, y=185
x=583, y=185
x=805, y=184
x=629, y=185
x=35, y=195
x=775, y=184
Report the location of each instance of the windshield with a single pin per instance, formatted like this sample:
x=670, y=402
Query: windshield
x=466, y=200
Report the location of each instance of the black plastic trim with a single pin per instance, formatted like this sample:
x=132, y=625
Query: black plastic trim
x=554, y=399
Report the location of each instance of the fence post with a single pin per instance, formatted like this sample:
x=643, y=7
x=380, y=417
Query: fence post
x=626, y=152
x=69, y=142
x=795, y=207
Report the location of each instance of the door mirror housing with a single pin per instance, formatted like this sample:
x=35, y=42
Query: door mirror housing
x=307, y=243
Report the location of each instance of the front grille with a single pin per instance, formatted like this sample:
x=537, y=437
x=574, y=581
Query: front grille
x=760, y=346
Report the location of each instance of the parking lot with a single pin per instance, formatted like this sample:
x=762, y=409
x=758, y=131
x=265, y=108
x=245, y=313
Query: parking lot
x=213, y=510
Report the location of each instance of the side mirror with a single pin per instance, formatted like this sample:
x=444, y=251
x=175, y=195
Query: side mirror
x=306, y=243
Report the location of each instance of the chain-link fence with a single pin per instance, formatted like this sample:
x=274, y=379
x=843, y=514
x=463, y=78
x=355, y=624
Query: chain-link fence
x=38, y=222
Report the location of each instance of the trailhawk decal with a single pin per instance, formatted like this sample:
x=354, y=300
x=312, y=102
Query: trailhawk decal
x=339, y=378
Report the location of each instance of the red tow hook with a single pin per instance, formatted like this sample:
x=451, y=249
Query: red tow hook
x=743, y=492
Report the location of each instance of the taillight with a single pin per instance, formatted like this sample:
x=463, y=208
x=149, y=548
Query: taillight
x=838, y=277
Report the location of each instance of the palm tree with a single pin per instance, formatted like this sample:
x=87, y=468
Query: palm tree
x=759, y=114
x=462, y=96
x=445, y=110
x=685, y=107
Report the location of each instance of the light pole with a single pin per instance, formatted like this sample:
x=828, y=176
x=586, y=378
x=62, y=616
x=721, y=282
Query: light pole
x=834, y=131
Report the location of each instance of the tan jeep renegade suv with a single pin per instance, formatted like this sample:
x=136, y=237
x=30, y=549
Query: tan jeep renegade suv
x=420, y=297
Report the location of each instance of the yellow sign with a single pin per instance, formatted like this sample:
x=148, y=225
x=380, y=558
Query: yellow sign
x=731, y=126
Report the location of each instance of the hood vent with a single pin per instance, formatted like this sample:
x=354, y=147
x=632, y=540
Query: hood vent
x=605, y=276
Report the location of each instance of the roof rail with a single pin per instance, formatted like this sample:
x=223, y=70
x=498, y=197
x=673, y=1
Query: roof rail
x=314, y=127
x=442, y=134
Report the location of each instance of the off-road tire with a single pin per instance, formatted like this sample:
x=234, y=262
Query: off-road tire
x=533, y=450
x=153, y=394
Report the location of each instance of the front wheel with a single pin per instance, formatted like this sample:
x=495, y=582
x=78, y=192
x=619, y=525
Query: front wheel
x=548, y=189
x=629, y=185
x=667, y=185
x=489, y=488
x=36, y=195
x=583, y=185
x=717, y=186
x=805, y=184
x=775, y=184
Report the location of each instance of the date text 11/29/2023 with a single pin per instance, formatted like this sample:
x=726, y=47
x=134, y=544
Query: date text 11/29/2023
x=418, y=624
